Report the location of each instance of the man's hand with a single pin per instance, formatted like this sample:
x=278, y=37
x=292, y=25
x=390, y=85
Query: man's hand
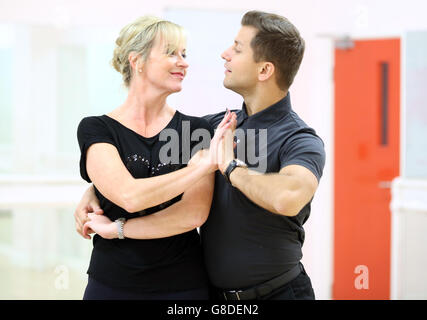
x=210, y=158
x=226, y=150
x=88, y=204
x=226, y=145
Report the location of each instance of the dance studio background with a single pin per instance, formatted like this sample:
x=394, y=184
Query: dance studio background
x=362, y=86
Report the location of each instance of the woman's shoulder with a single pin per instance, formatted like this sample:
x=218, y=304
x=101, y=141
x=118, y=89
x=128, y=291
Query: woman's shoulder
x=94, y=125
x=94, y=120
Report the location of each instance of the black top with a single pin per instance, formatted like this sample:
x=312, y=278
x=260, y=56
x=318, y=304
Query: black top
x=243, y=243
x=156, y=265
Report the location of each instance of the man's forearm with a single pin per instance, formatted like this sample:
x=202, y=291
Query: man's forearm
x=274, y=192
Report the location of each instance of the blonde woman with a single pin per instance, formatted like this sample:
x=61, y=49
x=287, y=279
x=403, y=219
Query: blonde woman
x=146, y=244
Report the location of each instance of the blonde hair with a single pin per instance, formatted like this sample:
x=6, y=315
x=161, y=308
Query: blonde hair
x=139, y=37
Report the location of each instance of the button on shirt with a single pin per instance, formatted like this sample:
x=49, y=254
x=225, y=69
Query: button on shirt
x=245, y=244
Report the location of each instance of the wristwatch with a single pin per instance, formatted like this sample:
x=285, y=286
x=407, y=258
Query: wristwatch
x=231, y=166
x=120, y=223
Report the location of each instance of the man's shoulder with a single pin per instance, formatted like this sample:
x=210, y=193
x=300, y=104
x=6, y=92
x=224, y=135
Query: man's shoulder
x=215, y=118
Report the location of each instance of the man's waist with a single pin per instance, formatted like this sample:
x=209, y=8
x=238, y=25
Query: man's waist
x=260, y=289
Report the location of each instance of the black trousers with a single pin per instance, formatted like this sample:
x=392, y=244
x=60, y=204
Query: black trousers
x=96, y=290
x=299, y=288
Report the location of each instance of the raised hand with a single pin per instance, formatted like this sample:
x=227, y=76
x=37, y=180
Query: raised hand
x=209, y=158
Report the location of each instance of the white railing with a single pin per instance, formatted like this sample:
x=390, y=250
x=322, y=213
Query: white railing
x=409, y=239
x=42, y=223
x=29, y=191
x=42, y=254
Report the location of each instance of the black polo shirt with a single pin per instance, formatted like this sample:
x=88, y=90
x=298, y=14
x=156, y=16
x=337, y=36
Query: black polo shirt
x=243, y=243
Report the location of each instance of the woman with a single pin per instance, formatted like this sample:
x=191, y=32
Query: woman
x=147, y=245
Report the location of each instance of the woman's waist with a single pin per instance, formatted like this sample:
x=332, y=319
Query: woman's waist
x=150, y=251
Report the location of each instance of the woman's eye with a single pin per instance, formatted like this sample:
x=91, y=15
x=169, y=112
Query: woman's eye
x=174, y=53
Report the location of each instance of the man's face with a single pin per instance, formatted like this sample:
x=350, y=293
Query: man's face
x=241, y=74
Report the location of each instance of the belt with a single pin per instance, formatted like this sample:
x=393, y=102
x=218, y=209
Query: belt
x=264, y=288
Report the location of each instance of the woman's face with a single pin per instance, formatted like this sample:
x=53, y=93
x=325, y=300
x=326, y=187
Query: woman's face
x=165, y=71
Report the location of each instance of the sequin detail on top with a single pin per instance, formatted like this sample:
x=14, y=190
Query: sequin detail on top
x=153, y=169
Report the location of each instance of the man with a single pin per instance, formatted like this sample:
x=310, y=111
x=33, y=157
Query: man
x=254, y=233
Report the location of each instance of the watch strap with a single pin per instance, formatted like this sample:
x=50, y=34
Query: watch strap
x=231, y=166
x=120, y=223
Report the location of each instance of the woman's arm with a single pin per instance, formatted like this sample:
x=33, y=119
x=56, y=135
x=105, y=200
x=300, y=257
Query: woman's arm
x=108, y=173
x=185, y=215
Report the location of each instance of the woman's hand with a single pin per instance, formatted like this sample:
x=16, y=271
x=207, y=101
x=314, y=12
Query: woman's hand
x=101, y=225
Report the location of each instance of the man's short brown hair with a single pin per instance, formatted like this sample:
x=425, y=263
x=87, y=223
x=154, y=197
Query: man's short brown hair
x=277, y=41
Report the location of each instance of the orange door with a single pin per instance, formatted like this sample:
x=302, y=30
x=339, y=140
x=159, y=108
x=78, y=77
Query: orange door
x=367, y=104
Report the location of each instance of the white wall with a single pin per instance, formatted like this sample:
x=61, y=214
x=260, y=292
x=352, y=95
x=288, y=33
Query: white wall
x=312, y=93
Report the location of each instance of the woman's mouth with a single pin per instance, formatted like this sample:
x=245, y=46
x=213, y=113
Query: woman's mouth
x=178, y=75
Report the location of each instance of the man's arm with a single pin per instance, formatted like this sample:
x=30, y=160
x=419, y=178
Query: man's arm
x=285, y=193
x=88, y=203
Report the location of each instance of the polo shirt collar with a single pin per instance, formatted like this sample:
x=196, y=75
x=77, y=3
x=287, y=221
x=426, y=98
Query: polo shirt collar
x=267, y=116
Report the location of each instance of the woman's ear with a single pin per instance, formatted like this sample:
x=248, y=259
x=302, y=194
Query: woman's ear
x=134, y=61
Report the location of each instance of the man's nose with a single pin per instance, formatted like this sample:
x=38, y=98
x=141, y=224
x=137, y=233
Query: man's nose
x=226, y=55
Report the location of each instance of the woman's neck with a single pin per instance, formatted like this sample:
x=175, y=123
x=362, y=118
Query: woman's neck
x=143, y=105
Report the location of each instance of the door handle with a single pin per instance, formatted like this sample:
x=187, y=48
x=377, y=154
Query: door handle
x=384, y=184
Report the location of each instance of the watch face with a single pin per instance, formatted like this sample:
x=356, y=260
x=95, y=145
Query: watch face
x=240, y=163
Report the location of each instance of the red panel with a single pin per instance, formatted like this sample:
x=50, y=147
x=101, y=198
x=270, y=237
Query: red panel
x=363, y=164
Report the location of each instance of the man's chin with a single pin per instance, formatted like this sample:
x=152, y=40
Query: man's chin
x=230, y=87
x=227, y=85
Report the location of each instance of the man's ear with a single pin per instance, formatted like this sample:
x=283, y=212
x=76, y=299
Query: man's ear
x=266, y=71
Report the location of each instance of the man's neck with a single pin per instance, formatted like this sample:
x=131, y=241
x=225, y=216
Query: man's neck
x=261, y=100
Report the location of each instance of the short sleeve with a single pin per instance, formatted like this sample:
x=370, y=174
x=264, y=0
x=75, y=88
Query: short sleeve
x=91, y=130
x=214, y=119
x=306, y=149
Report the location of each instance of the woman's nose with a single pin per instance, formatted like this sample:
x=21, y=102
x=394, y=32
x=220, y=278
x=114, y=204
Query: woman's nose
x=182, y=63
